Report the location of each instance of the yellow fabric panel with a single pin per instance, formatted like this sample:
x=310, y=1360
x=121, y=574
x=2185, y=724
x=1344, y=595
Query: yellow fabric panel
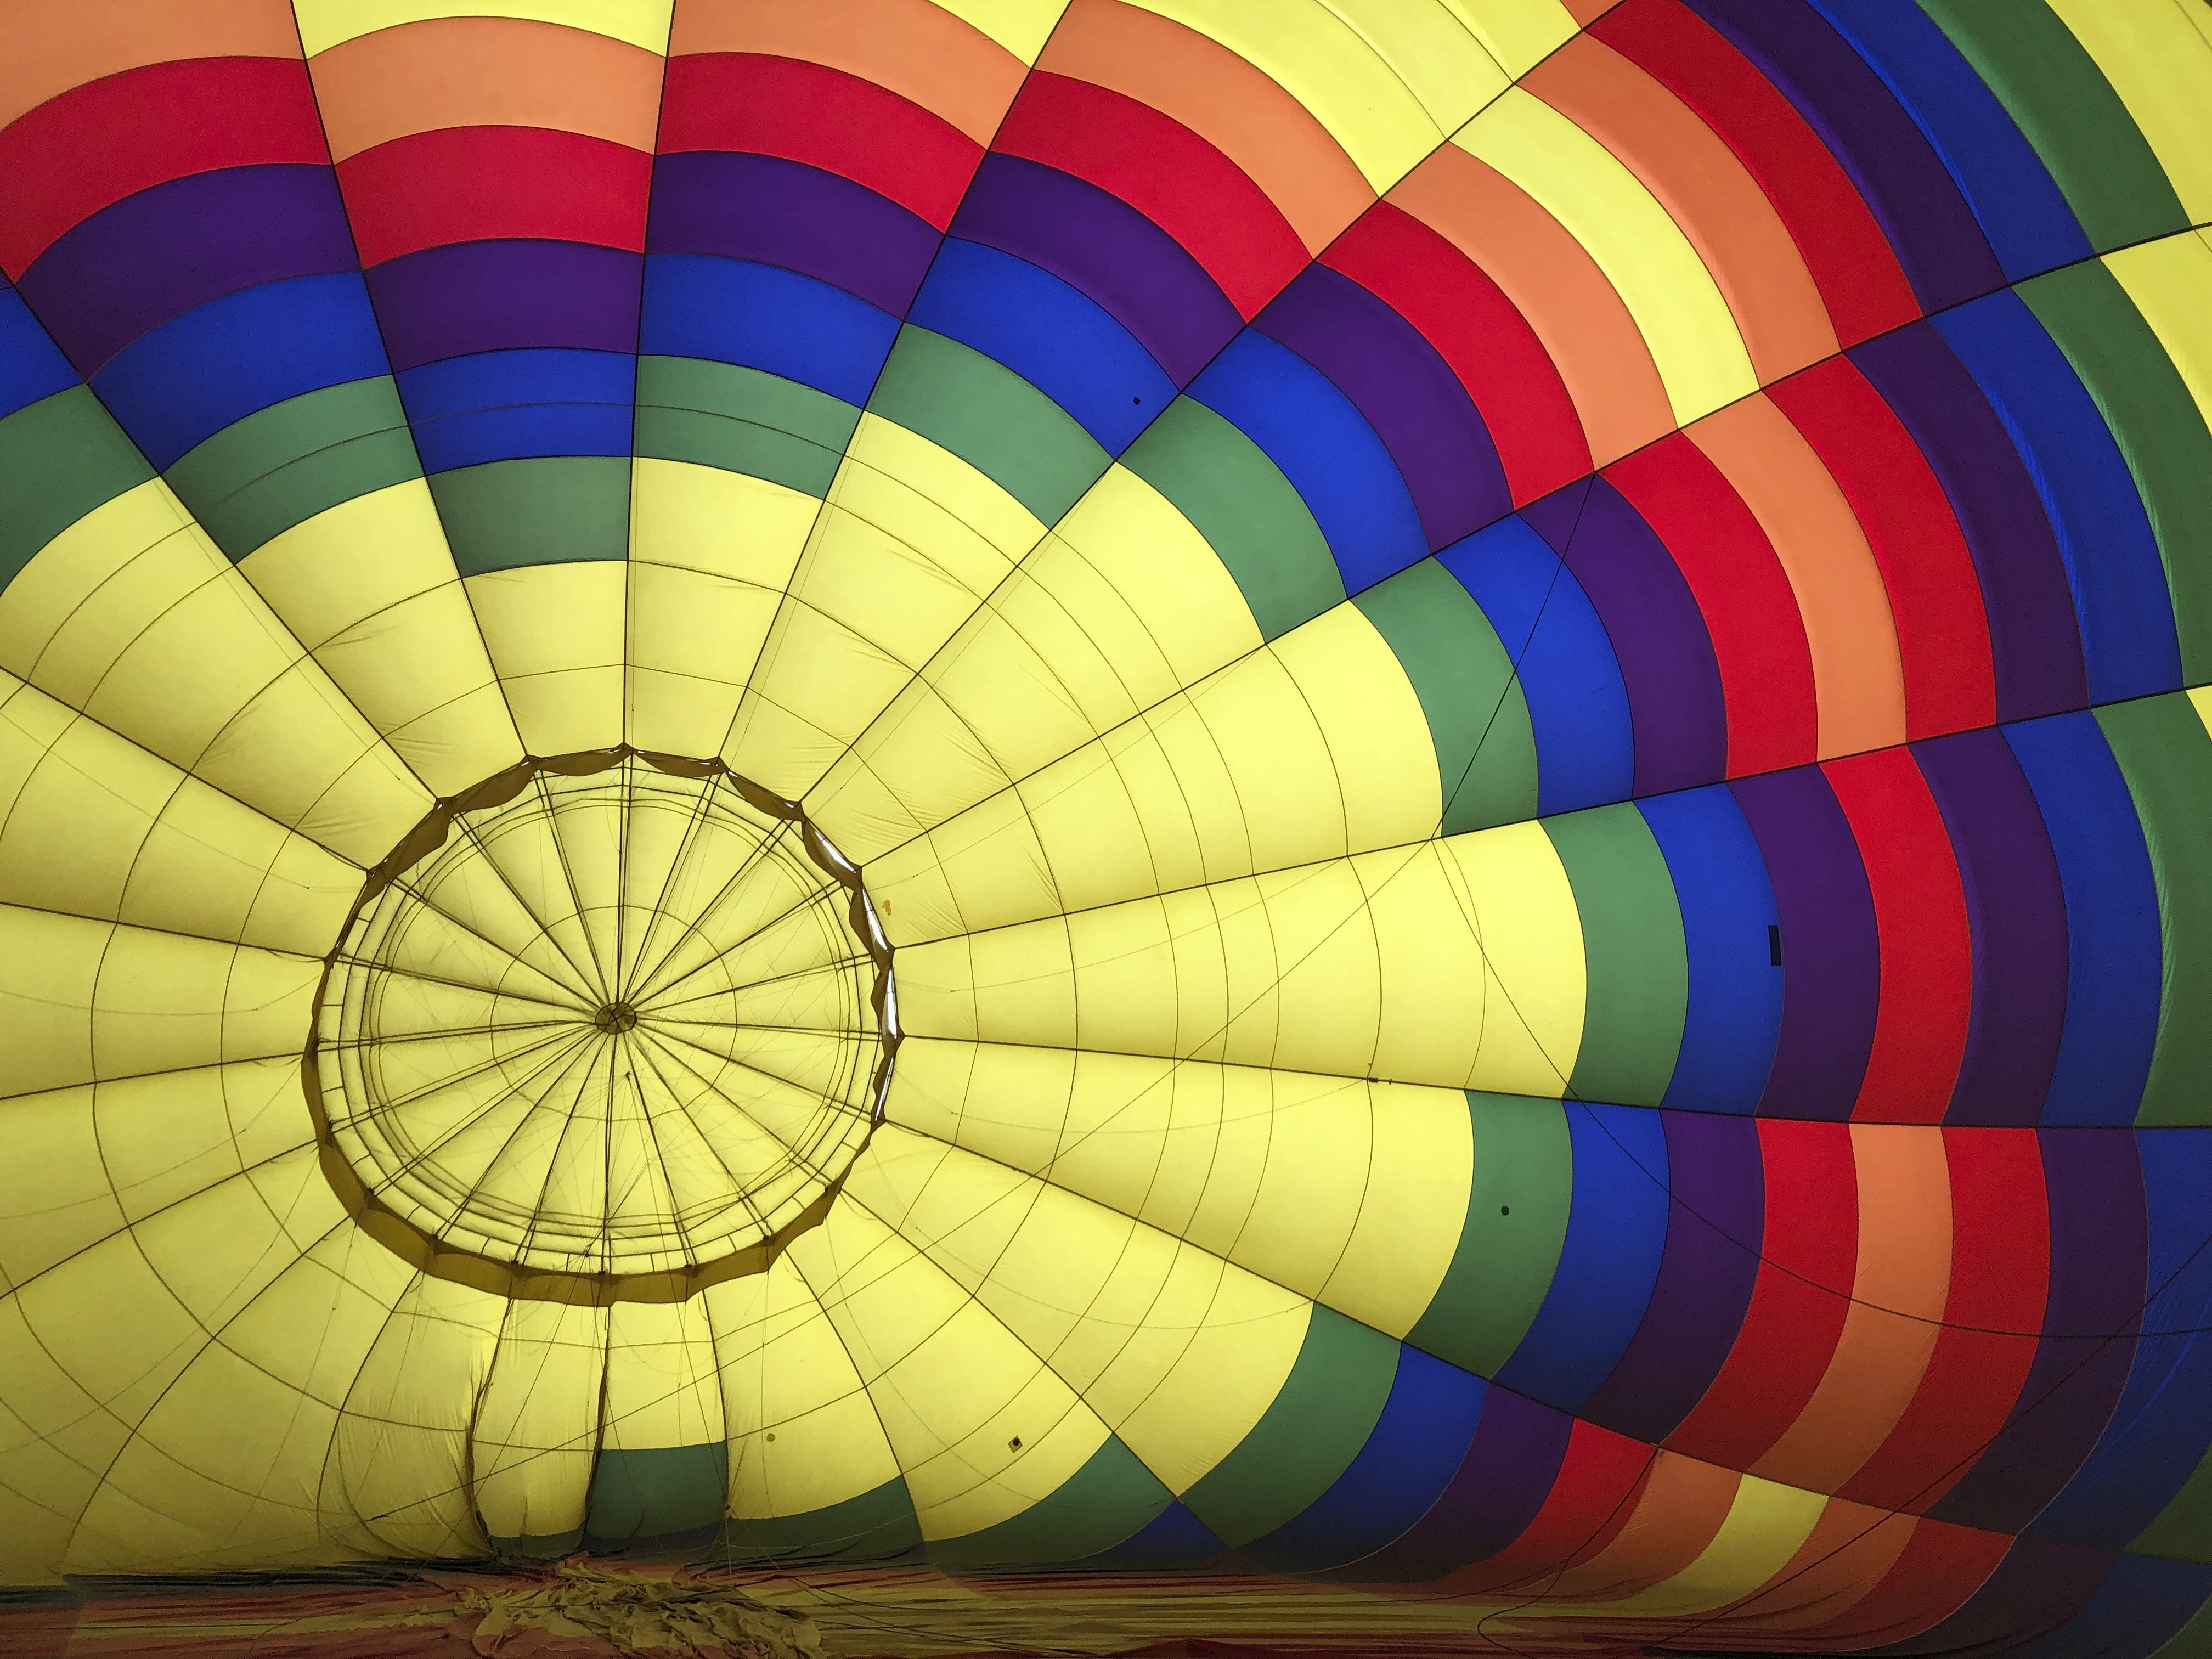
x=910, y=542
x=1518, y=34
x=133, y=616
x=2159, y=65
x=93, y=825
x=2200, y=699
x=400, y=1464
x=1349, y=1192
x=56, y=1440
x=1766, y=1525
x=1021, y=27
x=1349, y=84
x=1315, y=746
x=87, y=1161
x=1431, y=47
x=1122, y=605
x=1292, y=969
x=710, y=553
x=1174, y=1349
x=662, y=1386
x=326, y=23
x=537, y=1425
x=368, y=586
x=2167, y=280
x=555, y=632
x=1677, y=308
x=785, y=1373
x=85, y=1000
x=954, y=1387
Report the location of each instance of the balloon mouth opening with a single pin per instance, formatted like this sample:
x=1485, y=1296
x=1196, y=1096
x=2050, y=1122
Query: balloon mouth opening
x=588, y=977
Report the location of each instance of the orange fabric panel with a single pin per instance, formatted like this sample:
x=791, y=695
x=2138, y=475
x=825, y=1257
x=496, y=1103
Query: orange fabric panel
x=1897, y=1294
x=1679, y=1513
x=920, y=52
x=485, y=72
x=1229, y=103
x=1583, y=323
x=1858, y=674
x=1705, y=190
x=55, y=45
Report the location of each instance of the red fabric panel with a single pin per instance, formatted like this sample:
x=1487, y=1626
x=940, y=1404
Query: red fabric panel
x=1166, y=171
x=111, y=138
x=472, y=184
x=2000, y=1272
x=1809, y=1260
x=1938, y=1573
x=1859, y=278
x=1927, y=953
x=1592, y=1497
x=822, y=117
x=1750, y=609
x=1942, y=626
x=1473, y=327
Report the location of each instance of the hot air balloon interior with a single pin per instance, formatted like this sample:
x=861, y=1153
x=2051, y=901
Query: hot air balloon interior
x=1106, y=827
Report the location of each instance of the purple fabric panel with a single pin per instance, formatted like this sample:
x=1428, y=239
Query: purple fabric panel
x=1715, y=1220
x=1945, y=255
x=2034, y=638
x=785, y=213
x=1407, y=393
x=1658, y=632
x=1102, y=247
x=2016, y=916
x=1831, y=952
x=2037, y=1588
x=2098, y=1257
x=493, y=296
x=156, y=254
x=1501, y=1484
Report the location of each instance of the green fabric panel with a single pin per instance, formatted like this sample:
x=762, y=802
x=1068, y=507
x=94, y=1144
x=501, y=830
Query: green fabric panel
x=990, y=417
x=283, y=465
x=2061, y=102
x=536, y=1546
x=1637, y=967
x=2183, y=1528
x=2193, y=1640
x=741, y=420
x=553, y=509
x=2167, y=760
x=876, y=1526
x=1477, y=713
x=653, y=1492
x=1308, y=1434
x=59, y=458
x=1508, y=1248
x=1257, y=523
x=2157, y=426
x=1111, y=1497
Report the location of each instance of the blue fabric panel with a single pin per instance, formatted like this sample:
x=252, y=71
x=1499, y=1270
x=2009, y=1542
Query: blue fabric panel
x=1577, y=703
x=2112, y=561
x=1329, y=453
x=2158, y=1432
x=221, y=362
x=1174, y=1539
x=2140, y=1606
x=1410, y=1457
x=504, y=405
x=733, y=311
x=2115, y=956
x=1050, y=332
x=1616, y=1234
x=2014, y=198
x=1734, y=1018
x=32, y=366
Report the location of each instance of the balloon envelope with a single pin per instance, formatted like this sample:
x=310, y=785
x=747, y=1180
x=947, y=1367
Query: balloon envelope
x=1377, y=818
